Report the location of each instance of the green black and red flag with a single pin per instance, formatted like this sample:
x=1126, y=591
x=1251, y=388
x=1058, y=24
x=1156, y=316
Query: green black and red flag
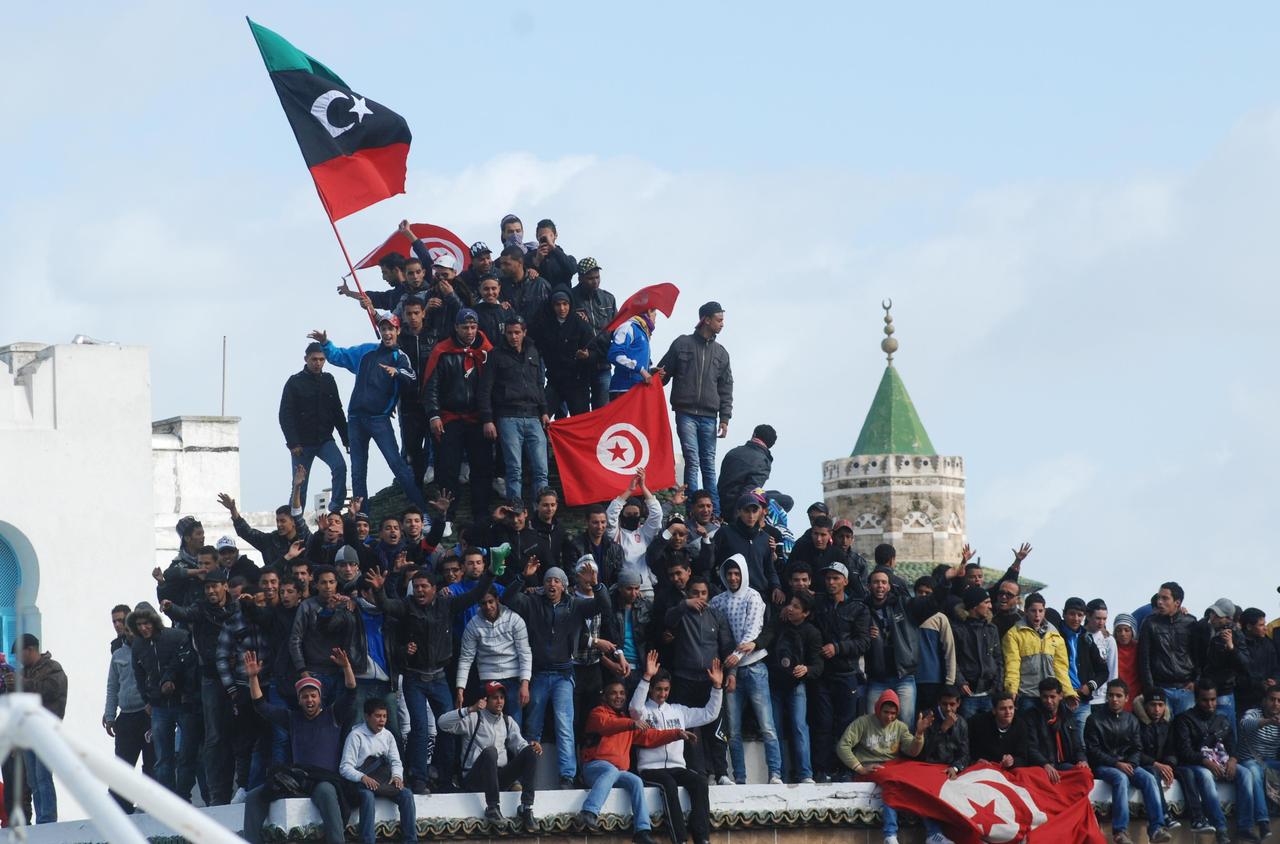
x=354, y=147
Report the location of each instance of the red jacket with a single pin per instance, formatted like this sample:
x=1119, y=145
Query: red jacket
x=616, y=734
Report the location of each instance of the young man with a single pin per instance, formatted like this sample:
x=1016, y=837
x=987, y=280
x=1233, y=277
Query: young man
x=513, y=408
x=565, y=343
x=1086, y=670
x=703, y=390
x=606, y=759
x=383, y=372
x=496, y=754
x=1166, y=652
x=795, y=663
x=998, y=737
x=629, y=353
x=747, y=466
x=632, y=621
x=876, y=738
x=417, y=344
x=845, y=627
x=602, y=547
x=1160, y=759
x=525, y=292
x=1262, y=661
x=1033, y=651
x=496, y=642
x=467, y=282
x=315, y=734
x=745, y=610
x=946, y=742
x=1051, y=739
x=1206, y=751
x=745, y=536
x=323, y=622
x=371, y=748
x=552, y=263
x=1220, y=653
x=553, y=617
x=491, y=311
x=290, y=526
x=1095, y=623
x=1125, y=647
x=1113, y=742
x=162, y=663
x=453, y=376
x=1260, y=750
x=125, y=717
x=979, y=656
x=664, y=766
x=42, y=675
x=894, y=652
x=597, y=307
x=626, y=528
x=310, y=410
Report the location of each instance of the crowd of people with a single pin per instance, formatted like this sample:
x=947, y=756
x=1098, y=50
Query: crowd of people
x=410, y=654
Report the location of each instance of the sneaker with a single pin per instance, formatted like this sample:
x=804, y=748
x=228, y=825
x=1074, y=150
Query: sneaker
x=419, y=786
x=493, y=814
x=825, y=779
x=1221, y=836
x=431, y=474
x=723, y=779
x=1201, y=825
x=774, y=779
x=1247, y=835
x=586, y=820
x=938, y=838
x=891, y=839
x=1121, y=836
x=527, y=820
x=500, y=486
x=1264, y=829
x=807, y=781
x=1171, y=824
x=1160, y=836
x=238, y=797
x=464, y=473
x=643, y=837
x=566, y=784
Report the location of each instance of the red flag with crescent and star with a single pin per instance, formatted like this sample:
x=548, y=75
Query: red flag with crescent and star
x=990, y=805
x=437, y=239
x=598, y=452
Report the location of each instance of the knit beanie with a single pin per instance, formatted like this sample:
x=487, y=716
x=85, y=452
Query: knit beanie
x=975, y=595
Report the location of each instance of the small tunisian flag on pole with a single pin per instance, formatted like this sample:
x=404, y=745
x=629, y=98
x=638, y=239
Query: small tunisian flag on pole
x=660, y=296
x=355, y=148
x=598, y=452
x=987, y=804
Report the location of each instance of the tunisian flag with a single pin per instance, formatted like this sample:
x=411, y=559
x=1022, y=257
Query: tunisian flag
x=660, y=296
x=437, y=239
x=988, y=804
x=598, y=452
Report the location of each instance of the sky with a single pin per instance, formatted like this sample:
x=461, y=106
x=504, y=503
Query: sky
x=1073, y=210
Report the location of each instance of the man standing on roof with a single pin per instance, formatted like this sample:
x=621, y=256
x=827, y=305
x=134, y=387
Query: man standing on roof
x=382, y=372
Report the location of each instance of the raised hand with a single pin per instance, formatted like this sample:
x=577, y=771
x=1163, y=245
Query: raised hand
x=404, y=230
x=966, y=554
x=482, y=703
x=356, y=503
x=445, y=501
x=924, y=721
x=531, y=566
x=251, y=665
x=299, y=474
x=339, y=658
x=319, y=334
x=1020, y=553
x=651, y=664
x=715, y=673
x=375, y=578
x=295, y=549
x=228, y=502
x=157, y=574
x=680, y=495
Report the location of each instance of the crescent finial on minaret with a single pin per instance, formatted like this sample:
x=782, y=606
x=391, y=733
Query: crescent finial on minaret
x=889, y=344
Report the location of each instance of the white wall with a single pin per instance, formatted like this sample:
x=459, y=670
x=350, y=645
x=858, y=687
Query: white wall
x=76, y=502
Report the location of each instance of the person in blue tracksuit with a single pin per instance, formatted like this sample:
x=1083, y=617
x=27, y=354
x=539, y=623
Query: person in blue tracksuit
x=629, y=353
x=382, y=370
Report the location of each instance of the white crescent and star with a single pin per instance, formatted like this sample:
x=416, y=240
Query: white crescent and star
x=320, y=110
x=622, y=448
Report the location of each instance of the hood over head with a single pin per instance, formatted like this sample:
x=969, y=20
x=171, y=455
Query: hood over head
x=741, y=563
x=141, y=611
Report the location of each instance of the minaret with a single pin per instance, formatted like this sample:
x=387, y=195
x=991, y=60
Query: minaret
x=895, y=488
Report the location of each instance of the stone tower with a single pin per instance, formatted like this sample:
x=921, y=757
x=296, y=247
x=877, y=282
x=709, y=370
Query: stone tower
x=895, y=487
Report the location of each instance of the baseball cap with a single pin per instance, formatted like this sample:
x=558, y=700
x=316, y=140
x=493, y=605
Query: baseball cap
x=493, y=687
x=480, y=248
x=820, y=506
x=1223, y=608
x=842, y=524
x=446, y=260
x=559, y=296
x=1155, y=696
x=749, y=499
x=586, y=265
x=710, y=309
x=226, y=542
x=466, y=315
x=838, y=568
x=389, y=317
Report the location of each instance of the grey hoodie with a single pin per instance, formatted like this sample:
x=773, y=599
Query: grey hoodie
x=122, y=684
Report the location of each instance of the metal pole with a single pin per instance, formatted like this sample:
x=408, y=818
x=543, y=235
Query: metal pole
x=224, y=375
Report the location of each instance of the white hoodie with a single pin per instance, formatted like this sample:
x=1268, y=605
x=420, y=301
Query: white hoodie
x=634, y=543
x=744, y=610
x=669, y=716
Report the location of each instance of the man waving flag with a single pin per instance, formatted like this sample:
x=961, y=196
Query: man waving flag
x=354, y=147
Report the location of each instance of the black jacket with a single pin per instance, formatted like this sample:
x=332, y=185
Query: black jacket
x=1044, y=739
x=205, y=622
x=452, y=387
x=608, y=556
x=847, y=626
x=270, y=544
x=430, y=626
x=1262, y=661
x=1216, y=662
x=310, y=409
x=753, y=544
x=699, y=638
x=1157, y=743
x=743, y=469
x=553, y=546
x=600, y=308
x=791, y=645
x=947, y=747
x=557, y=267
x=1166, y=655
x=559, y=342
x=1111, y=737
x=1194, y=729
x=979, y=654
x=165, y=657
x=703, y=378
x=511, y=384
x=417, y=347
x=553, y=627
x=987, y=743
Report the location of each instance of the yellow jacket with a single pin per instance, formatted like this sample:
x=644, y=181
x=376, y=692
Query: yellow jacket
x=1030, y=657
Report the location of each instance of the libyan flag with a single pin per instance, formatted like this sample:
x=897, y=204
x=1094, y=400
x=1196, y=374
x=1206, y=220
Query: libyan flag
x=354, y=147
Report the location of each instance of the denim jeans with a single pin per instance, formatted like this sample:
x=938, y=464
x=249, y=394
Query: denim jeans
x=1258, y=770
x=601, y=777
x=1146, y=784
x=890, y=818
x=522, y=437
x=1180, y=700
x=698, y=445
x=753, y=687
x=361, y=429
x=281, y=751
x=43, y=795
x=257, y=804
x=600, y=388
x=176, y=762
x=1078, y=718
x=971, y=706
x=425, y=698
x=331, y=455
x=556, y=688
x=791, y=720
x=1207, y=788
x=906, y=690
x=368, y=816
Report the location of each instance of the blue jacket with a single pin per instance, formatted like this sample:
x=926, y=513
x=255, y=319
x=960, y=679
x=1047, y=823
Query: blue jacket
x=375, y=392
x=629, y=353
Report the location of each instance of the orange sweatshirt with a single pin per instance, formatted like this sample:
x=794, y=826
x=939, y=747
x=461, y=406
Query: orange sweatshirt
x=615, y=735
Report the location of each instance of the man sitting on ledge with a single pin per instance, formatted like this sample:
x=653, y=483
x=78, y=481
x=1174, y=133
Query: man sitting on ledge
x=316, y=737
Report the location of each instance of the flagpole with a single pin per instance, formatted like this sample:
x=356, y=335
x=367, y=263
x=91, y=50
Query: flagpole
x=343, y=246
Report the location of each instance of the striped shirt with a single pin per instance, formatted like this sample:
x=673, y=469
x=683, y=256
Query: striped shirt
x=1259, y=737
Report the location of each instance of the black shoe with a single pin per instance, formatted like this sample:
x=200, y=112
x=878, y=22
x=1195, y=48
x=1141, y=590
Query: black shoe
x=1201, y=825
x=586, y=820
x=566, y=784
x=1264, y=829
x=1247, y=835
x=493, y=814
x=643, y=837
x=1221, y=836
x=419, y=787
x=525, y=813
